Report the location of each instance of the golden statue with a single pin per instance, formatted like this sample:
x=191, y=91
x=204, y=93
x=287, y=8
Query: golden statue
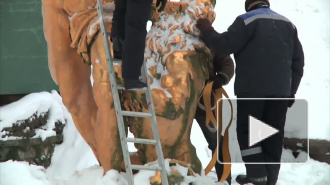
x=177, y=63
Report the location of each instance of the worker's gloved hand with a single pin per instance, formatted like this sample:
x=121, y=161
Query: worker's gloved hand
x=204, y=24
x=219, y=81
x=163, y=4
x=291, y=101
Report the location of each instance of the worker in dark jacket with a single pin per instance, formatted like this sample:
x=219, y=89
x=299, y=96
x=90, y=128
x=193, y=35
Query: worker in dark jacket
x=128, y=34
x=269, y=64
x=223, y=68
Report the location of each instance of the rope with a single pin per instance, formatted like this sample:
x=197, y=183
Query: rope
x=211, y=118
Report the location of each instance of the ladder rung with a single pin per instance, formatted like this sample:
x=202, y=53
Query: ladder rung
x=136, y=114
x=116, y=61
x=107, y=10
x=121, y=87
x=151, y=168
x=142, y=141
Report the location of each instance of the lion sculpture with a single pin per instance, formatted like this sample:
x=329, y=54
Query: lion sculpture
x=176, y=60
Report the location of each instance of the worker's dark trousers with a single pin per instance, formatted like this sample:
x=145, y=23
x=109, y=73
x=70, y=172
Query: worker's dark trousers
x=118, y=19
x=211, y=138
x=129, y=22
x=273, y=113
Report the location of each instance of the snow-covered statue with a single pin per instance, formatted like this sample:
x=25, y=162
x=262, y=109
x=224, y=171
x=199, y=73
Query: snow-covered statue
x=177, y=63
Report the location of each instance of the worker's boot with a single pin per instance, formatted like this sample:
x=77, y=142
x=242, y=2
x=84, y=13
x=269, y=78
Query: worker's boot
x=244, y=179
x=134, y=84
x=118, y=47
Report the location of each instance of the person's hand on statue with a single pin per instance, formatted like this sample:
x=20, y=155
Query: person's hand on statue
x=203, y=24
x=163, y=2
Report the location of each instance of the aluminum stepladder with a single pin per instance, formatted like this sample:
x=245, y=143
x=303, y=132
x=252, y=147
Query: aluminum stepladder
x=120, y=113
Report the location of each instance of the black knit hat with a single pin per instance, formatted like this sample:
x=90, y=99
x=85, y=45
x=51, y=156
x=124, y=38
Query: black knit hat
x=249, y=2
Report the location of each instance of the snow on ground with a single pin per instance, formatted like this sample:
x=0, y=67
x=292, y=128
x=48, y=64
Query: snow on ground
x=73, y=162
x=35, y=103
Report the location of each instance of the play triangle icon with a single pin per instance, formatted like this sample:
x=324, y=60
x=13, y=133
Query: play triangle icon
x=259, y=131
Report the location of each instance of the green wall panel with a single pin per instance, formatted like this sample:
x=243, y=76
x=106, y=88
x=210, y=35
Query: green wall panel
x=23, y=49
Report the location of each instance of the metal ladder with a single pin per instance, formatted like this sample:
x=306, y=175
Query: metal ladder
x=120, y=113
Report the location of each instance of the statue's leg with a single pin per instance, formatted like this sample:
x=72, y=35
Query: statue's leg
x=175, y=140
x=186, y=151
x=68, y=70
x=174, y=133
x=183, y=149
x=106, y=131
x=179, y=64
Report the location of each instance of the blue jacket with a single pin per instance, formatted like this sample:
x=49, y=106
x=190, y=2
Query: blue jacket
x=268, y=54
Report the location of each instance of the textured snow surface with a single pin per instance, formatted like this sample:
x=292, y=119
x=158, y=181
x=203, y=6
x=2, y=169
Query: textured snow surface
x=35, y=103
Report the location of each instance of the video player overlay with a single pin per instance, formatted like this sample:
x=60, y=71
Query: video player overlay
x=263, y=130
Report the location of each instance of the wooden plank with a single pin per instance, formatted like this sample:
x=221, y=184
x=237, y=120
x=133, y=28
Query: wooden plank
x=318, y=149
x=32, y=141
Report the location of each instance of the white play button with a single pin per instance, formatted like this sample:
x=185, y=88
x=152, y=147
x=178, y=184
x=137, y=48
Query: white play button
x=259, y=131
